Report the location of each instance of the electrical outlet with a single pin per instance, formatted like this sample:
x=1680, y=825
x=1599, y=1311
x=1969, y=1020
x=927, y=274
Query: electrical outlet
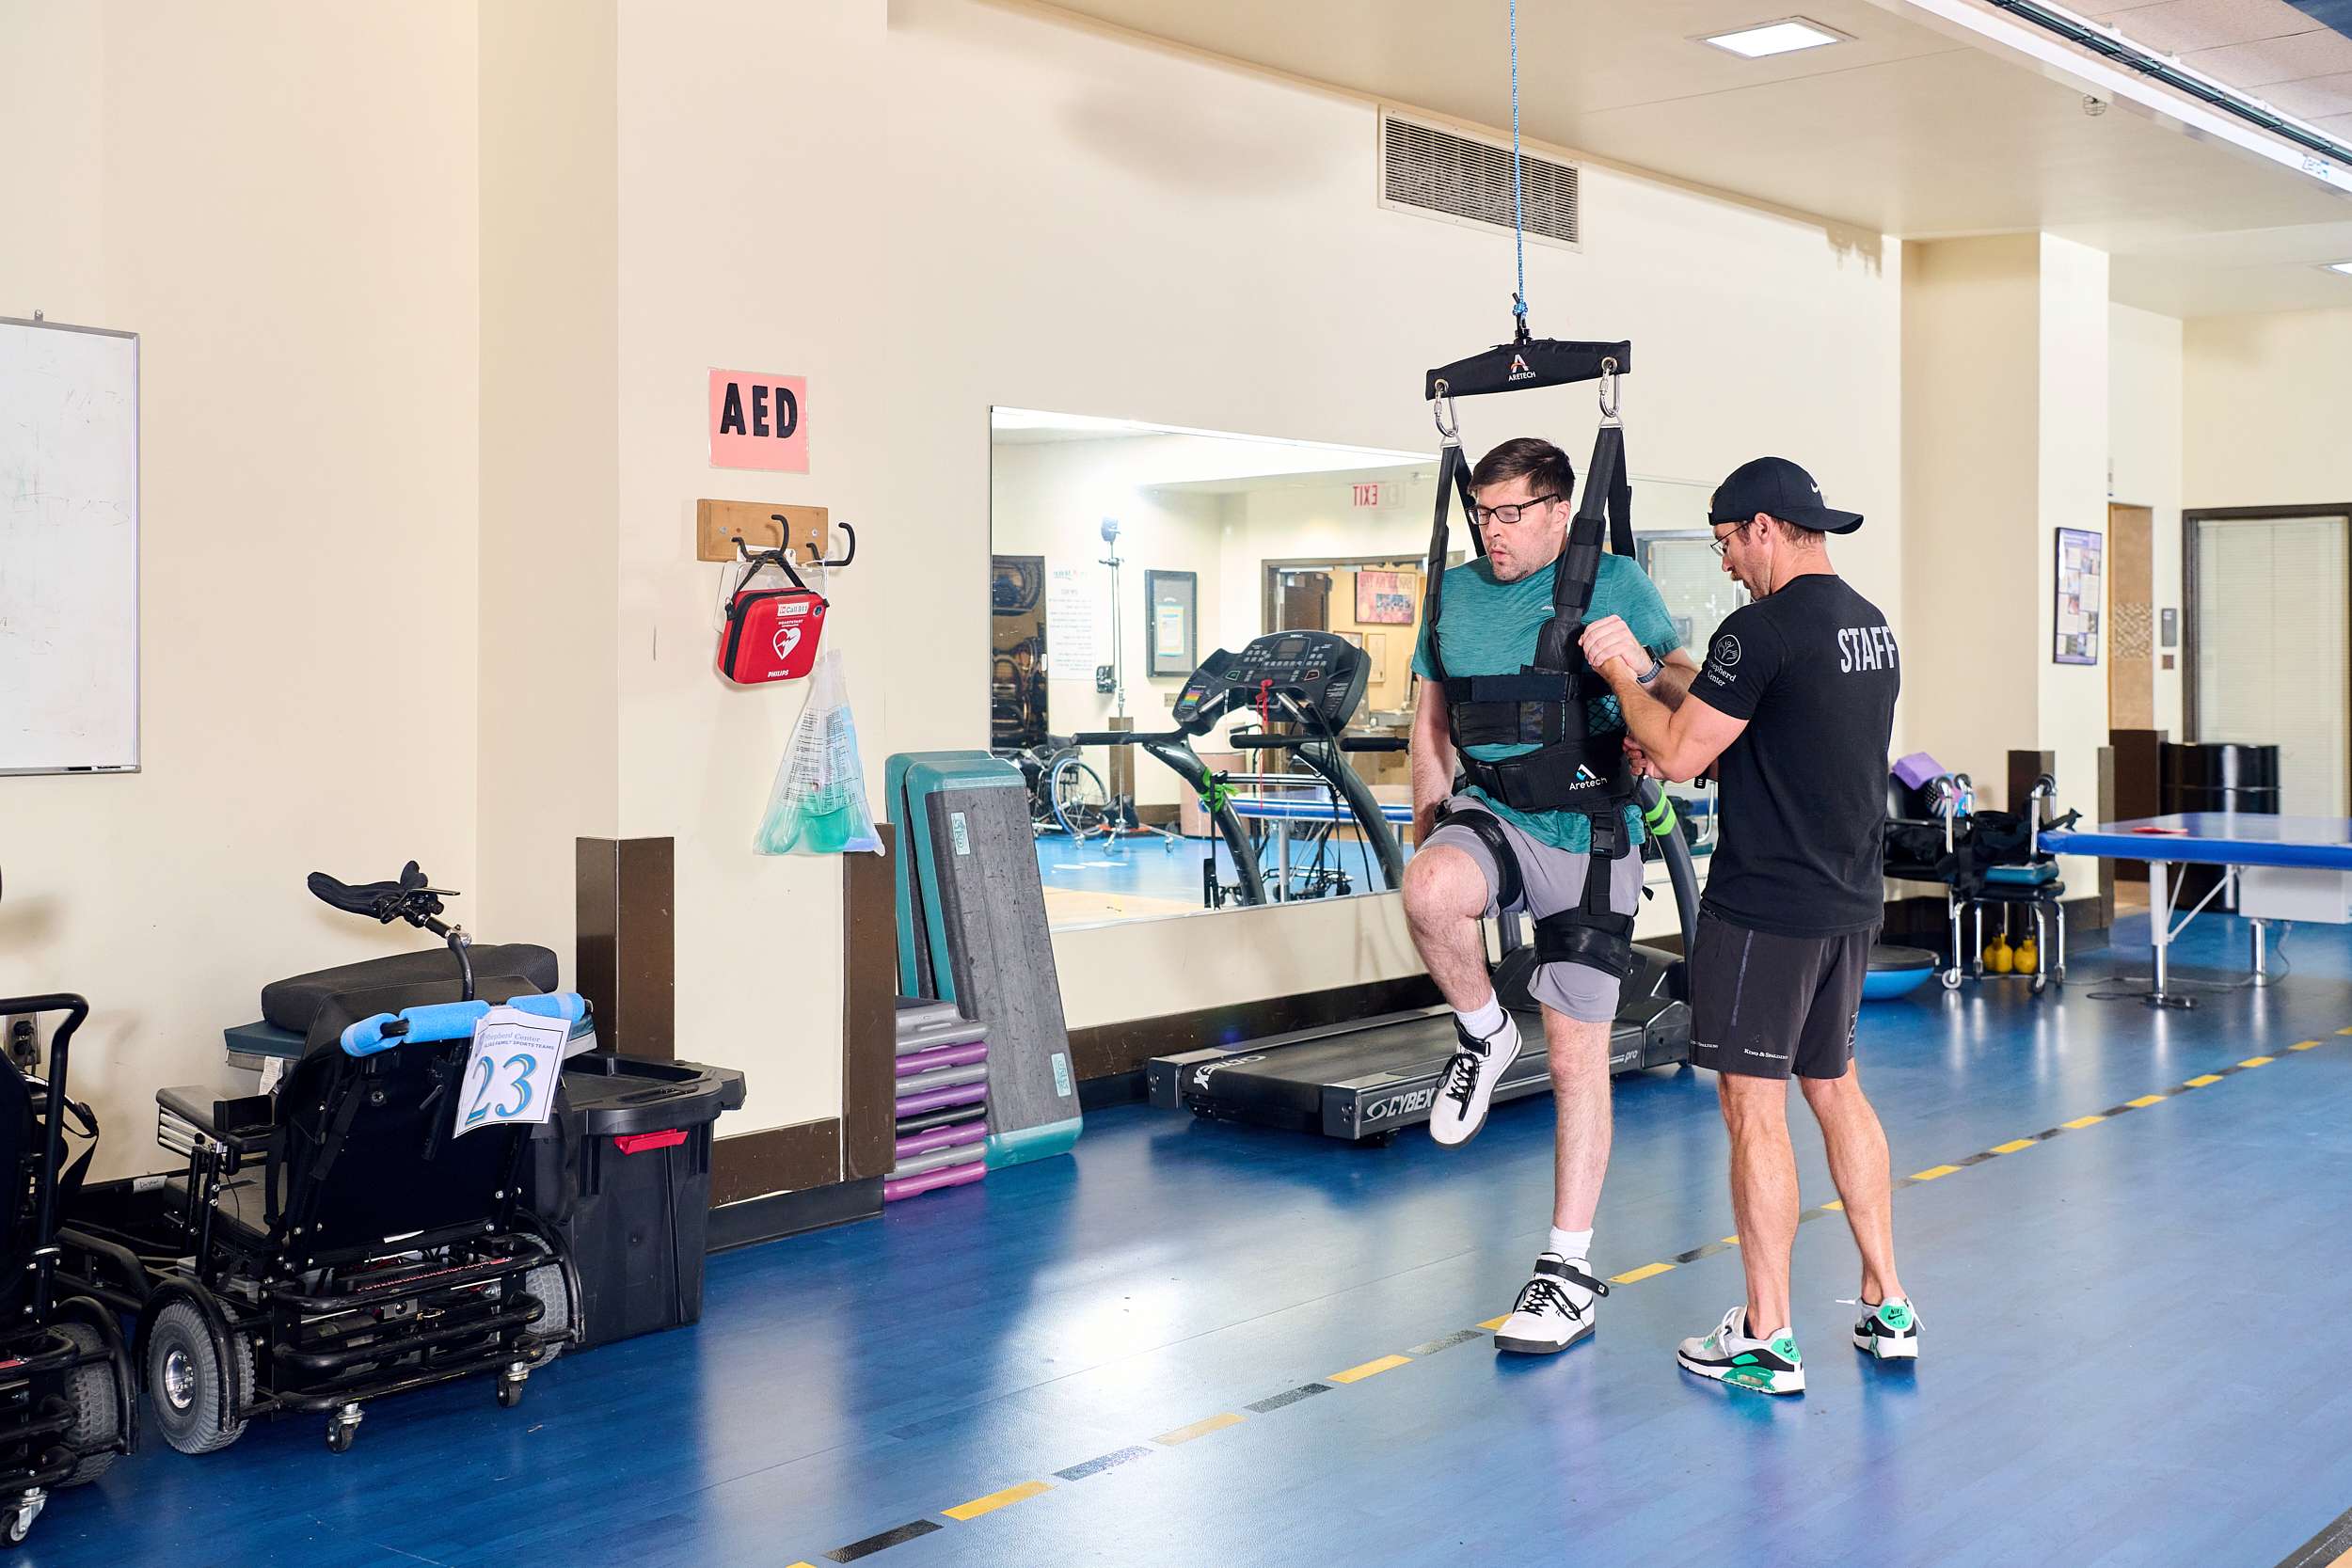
x=22, y=1033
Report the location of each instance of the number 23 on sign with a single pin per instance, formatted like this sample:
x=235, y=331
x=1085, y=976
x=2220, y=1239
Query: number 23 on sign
x=511, y=1076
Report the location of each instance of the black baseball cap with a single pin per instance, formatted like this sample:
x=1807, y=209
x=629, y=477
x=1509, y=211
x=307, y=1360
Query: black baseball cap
x=1777, y=488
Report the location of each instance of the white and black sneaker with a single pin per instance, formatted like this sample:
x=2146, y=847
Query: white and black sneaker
x=1889, y=1330
x=1769, y=1366
x=1555, y=1309
x=1467, y=1086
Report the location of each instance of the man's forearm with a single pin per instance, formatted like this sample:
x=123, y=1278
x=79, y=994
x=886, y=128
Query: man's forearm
x=1671, y=685
x=1647, y=720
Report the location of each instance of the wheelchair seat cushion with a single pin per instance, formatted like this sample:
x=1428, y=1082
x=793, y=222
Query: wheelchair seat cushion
x=295, y=1002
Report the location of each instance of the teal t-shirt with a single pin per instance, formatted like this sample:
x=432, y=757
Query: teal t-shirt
x=1491, y=628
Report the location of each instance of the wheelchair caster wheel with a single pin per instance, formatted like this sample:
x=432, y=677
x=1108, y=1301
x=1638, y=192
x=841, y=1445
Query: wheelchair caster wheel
x=20, y=1521
x=342, y=1428
x=510, y=1392
x=1951, y=979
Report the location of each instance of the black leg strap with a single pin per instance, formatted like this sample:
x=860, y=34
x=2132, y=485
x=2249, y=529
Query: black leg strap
x=1488, y=827
x=1599, y=942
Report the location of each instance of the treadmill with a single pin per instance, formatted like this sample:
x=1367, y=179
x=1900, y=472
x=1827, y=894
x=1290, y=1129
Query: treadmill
x=1366, y=1080
x=1312, y=680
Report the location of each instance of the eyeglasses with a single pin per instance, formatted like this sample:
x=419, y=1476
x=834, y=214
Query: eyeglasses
x=1511, y=512
x=1725, y=542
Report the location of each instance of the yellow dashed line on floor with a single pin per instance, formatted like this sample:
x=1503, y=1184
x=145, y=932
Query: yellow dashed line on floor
x=1370, y=1368
x=967, y=1513
x=2081, y=1122
x=1731, y=1241
x=2144, y=1101
x=1834, y=1203
x=2258, y=1061
x=2014, y=1145
x=1932, y=1172
x=1198, y=1429
x=2201, y=1079
x=1493, y=1324
x=1634, y=1276
x=2304, y=1045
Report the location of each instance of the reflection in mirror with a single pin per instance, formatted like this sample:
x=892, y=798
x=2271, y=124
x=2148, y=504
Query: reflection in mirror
x=1200, y=656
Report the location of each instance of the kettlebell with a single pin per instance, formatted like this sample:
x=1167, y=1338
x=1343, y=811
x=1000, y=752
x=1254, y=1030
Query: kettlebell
x=1997, y=958
x=2029, y=956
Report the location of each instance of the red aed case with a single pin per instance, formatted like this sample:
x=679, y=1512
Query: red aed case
x=771, y=633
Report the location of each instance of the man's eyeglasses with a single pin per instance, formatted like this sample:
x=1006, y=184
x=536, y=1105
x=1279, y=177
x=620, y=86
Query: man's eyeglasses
x=1511, y=512
x=1725, y=542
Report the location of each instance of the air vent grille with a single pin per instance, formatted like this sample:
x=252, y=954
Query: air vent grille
x=1437, y=171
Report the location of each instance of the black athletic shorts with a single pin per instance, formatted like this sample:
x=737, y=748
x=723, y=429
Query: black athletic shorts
x=1762, y=1004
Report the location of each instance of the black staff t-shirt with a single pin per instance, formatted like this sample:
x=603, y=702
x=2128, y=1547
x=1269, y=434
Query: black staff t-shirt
x=1813, y=670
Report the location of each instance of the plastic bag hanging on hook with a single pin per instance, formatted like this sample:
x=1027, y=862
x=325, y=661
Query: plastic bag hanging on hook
x=817, y=807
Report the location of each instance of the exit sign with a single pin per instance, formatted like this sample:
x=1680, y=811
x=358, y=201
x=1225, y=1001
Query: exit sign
x=1368, y=495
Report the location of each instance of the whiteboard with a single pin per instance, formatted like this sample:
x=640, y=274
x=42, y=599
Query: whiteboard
x=69, y=549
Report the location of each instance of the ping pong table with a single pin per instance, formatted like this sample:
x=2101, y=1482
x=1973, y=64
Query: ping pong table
x=2285, y=868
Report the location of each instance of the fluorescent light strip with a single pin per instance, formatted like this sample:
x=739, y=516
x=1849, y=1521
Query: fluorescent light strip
x=1785, y=36
x=2344, y=267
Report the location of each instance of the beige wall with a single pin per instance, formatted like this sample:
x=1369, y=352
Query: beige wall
x=280, y=198
x=2262, y=410
x=2073, y=493
x=1971, y=502
x=550, y=424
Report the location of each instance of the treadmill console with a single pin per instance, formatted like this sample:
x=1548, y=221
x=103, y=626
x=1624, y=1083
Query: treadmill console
x=1323, y=673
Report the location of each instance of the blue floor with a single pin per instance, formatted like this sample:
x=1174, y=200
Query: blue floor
x=2132, y=1330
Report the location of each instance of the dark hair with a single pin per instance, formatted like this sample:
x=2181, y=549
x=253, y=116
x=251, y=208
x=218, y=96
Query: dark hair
x=1546, y=467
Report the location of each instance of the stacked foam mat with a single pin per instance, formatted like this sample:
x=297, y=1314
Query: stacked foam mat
x=943, y=1099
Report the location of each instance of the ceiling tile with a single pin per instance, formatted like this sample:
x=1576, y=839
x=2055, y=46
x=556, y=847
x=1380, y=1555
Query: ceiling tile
x=2183, y=26
x=2339, y=126
x=2313, y=96
x=2317, y=53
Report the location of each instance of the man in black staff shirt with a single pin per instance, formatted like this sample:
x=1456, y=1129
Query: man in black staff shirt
x=1794, y=709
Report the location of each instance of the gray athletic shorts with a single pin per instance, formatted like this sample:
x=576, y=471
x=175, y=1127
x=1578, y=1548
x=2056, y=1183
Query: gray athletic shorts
x=1550, y=881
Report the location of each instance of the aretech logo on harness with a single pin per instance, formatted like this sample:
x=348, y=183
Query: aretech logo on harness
x=1518, y=369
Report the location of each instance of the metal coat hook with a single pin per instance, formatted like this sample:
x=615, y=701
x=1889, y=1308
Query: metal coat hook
x=822, y=561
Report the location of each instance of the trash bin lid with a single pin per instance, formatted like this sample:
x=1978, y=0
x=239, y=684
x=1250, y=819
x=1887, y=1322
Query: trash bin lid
x=611, y=1094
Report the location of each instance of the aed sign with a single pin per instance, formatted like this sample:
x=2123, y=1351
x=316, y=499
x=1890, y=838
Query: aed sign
x=758, y=422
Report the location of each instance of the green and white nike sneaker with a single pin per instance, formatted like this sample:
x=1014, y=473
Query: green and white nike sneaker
x=1769, y=1366
x=1889, y=1330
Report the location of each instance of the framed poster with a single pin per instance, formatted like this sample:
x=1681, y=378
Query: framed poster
x=1170, y=602
x=2080, y=594
x=1385, y=598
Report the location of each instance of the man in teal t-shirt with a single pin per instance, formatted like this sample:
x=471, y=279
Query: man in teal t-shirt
x=1492, y=612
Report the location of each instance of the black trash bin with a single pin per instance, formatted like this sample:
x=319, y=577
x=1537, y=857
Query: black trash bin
x=624, y=1172
x=2215, y=776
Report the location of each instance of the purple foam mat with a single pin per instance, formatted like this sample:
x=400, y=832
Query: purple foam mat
x=1916, y=769
x=931, y=1100
x=943, y=1137
x=945, y=1055
x=946, y=1176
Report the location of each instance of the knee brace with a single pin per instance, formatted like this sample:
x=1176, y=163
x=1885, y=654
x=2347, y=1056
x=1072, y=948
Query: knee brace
x=1488, y=827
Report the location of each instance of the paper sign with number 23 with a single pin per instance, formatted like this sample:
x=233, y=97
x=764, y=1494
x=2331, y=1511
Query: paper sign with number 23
x=511, y=1076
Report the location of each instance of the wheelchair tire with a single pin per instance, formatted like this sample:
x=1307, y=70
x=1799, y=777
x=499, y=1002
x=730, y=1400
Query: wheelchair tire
x=1080, y=802
x=97, y=1411
x=554, y=1292
x=197, y=1396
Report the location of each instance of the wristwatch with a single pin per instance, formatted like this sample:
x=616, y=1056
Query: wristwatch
x=1656, y=668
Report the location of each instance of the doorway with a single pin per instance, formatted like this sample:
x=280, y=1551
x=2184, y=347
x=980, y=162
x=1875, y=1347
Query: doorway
x=2131, y=618
x=2269, y=600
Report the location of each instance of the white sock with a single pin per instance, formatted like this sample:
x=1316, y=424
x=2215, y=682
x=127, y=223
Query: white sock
x=1573, y=1246
x=1487, y=1022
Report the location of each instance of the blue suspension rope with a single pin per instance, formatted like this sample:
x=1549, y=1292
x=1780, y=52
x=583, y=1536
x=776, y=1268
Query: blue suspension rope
x=1519, y=222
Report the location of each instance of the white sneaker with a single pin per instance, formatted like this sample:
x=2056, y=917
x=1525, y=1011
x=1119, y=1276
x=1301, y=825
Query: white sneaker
x=1555, y=1309
x=1467, y=1086
x=1770, y=1366
x=1889, y=1330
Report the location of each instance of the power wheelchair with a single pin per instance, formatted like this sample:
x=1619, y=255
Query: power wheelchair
x=68, y=1403
x=333, y=1241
